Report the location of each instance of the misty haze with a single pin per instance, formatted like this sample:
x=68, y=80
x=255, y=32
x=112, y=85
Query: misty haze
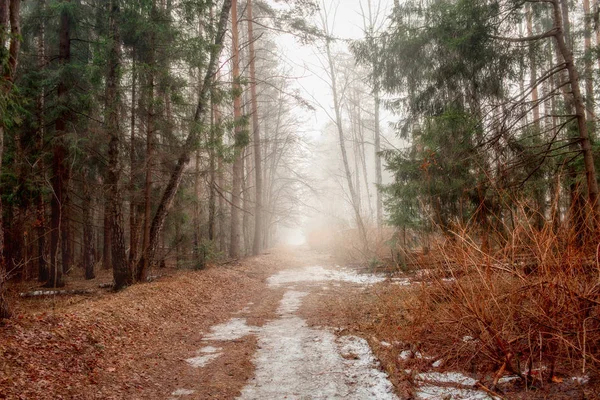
x=299, y=199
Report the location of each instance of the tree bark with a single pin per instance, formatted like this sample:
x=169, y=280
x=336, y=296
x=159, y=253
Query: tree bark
x=258, y=209
x=88, y=230
x=580, y=114
x=121, y=271
x=60, y=169
x=133, y=199
x=238, y=166
x=338, y=119
x=140, y=273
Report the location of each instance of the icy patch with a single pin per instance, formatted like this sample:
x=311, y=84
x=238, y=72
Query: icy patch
x=233, y=329
x=430, y=392
x=402, y=281
x=438, y=364
x=385, y=344
x=508, y=379
x=201, y=361
x=209, y=349
x=291, y=302
x=406, y=354
x=363, y=373
x=437, y=385
x=182, y=392
x=295, y=361
x=319, y=274
x=582, y=380
x=448, y=377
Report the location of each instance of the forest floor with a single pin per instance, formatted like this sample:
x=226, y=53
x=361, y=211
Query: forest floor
x=289, y=324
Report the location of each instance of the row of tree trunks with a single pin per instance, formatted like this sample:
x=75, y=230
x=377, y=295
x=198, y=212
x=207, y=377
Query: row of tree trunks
x=10, y=32
x=202, y=109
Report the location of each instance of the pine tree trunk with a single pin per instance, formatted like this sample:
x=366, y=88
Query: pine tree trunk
x=88, y=230
x=580, y=114
x=133, y=199
x=258, y=209
x=121, y=271
x=60, y=169
x=141, y=272
x=238, y=166
x=40, y=204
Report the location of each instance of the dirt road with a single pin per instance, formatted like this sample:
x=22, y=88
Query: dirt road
x=293, y=360
x=285, y=325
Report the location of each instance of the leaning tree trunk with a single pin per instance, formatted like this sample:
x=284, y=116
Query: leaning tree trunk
x=203, y=105
x=580, y=115
x=338, y=118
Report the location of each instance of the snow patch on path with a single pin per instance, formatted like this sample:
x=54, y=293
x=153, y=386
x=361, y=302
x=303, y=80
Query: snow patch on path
x=318, y=274
x=437, y=385
x=295, y=361
x=233, y=329
x=182, y=392
x=298, y=362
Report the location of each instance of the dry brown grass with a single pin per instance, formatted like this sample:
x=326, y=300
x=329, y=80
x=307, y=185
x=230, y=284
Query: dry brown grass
x=531, y=306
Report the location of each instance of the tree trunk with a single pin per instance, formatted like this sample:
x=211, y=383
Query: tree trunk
x=140, y=273
x=258, y=209
x=580, y=114
x=121, y=271
x=203, y=105
x=588, y=71
x=60, y=169
x=133, y=200
x=40, y=203
x=338, y=119
x=88, y=229
x=238, y=166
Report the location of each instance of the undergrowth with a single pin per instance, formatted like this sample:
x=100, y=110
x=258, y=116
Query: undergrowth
x=529, y=306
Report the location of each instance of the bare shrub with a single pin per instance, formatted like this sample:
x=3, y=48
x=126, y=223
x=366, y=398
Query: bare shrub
x=529, y=307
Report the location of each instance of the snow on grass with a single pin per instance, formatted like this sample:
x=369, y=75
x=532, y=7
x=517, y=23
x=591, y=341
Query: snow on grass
x=291, y=302
x=210, y=349
x=431, y=392
x=317, y=274
x=182, y=392
x=447, y=377
x=201, y=361
x=233, y=329
x=437, y=385
x=362, y=370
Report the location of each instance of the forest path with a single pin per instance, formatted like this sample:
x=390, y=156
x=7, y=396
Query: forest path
x=291, y=359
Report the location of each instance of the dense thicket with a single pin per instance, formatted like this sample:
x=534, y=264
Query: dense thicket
x=119, y=135
x=497, y=103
